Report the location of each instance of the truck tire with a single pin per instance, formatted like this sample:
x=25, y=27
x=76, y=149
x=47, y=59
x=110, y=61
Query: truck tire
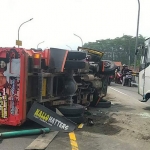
x=73, y=64
x=109, y=67
x=76, y=55
x=77, y=119
x=104, y=86
x=103, y=100
x=95, y=99
x=104, y=104
x=73, y=110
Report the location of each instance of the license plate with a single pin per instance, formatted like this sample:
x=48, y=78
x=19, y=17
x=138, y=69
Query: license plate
x=128, y=76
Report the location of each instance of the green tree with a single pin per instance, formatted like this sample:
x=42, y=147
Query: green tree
x=118, y=49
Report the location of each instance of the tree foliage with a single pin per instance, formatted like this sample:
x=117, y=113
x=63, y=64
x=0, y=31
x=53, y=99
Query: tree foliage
x=118, y=49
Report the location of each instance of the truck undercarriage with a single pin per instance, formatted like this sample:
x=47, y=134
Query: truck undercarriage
x=56, y=78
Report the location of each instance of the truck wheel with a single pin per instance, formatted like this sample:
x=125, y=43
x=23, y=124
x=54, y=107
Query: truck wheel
x=103, y=100
x=109, y=67
x=76, y=55
x=105, y=86
x=104, y=104
x=72, y=110
x=76, y=119
x=73, y=64
x=95, y=99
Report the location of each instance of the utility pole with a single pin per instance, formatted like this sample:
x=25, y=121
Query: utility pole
x=129, y=53
x=136, y=42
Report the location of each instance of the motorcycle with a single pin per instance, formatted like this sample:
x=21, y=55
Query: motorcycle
x=128, y=79
x=118, y=78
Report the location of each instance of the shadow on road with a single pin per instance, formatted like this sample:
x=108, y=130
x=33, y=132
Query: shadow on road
x=26, y=126
x=119, y=107
x=147, y=108
x=103, y=124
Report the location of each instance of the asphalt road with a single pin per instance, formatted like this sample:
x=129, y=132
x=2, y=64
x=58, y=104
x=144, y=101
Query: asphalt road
x=99, y=136
x=128, y=91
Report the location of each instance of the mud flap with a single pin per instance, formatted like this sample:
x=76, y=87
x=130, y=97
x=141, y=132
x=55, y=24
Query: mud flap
x=47, y=118
x=57, y=59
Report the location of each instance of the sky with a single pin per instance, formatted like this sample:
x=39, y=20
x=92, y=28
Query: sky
x=56, y=21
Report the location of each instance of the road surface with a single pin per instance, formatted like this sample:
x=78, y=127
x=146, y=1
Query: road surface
x=123, y=126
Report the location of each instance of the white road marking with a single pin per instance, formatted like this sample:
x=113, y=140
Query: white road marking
x=118, y=91
x=123, y=93
x=145, y=115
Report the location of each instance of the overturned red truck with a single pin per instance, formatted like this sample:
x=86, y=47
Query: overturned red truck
x=54, y=77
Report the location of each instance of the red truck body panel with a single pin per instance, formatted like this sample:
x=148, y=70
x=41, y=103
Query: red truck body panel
x=14, y=79
x=13, y=86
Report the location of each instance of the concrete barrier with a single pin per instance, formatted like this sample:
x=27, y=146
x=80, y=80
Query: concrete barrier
x=136, y=82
